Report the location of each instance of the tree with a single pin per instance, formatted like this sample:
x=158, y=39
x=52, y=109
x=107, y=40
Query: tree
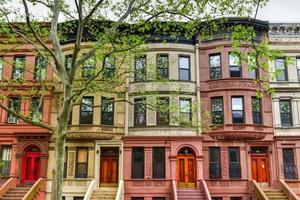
x=117, y=29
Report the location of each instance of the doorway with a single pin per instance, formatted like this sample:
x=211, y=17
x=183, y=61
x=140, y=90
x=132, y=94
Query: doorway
x=109, y=166
x=186, y=168
x=31, y=165
x=260, y=166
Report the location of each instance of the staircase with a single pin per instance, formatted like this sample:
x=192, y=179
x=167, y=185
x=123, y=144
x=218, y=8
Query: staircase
x=16, y=193
x=190, y=194
x=275, y=194
x=104, y=193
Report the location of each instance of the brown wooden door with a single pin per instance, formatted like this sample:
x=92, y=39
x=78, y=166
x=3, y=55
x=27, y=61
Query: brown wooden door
x=260, y=168
x=109, y=170
x=186, y=171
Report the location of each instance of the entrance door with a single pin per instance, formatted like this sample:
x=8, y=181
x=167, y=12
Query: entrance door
x=31, y=167
x=186, y=168
x=260, y=168
x=109, y=164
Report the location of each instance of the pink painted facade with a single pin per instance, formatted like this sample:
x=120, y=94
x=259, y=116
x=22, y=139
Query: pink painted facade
x=18, y=139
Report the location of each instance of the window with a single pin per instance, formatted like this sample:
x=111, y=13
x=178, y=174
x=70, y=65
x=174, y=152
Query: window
x=81, y=162
x=137, y=198
x=215, y=66
x=140, y=64
x=237, y=105
x=158, y=162
x=68, y=63
x=214, y=162
x=256, y=110
x=1, y=67
x=236, y=198
x=40, y=68
x=137, y=162
x=298, y=67
x=78, y=198
x=36, y=109
x=6, y=160
x=185, y=111
x=88, y=68
x=163, y=111
x=217, y=110
x=86, y=110
x=253, y=71
x=280, y=66
x=184, y=68
x=140, y=112
x=234, y=65
x=19, y=67
x=162, y=66
x=109, y=67
x=14, y=104
x=65, y=162
x=286, y=112
x=289, y=166
x=234, y=162
x=107, y=111
x=70, y=117
x=217, y=198
x=158, y=198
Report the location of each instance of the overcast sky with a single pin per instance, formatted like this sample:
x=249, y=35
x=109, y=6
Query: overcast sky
x=281, y=11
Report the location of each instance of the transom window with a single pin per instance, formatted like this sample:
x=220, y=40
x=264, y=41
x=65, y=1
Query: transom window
x=184, y=68
x=256, y=110
x=234, y=65
x=215, y=66
x=237, y=105
x=280, y=66
x=286, y=112
x=217, y=110
x=86, y=110
x=19, y=67
x=140, y=112
x=140, y=64
x=40, y=68
x=107, y=111
x=162, y=66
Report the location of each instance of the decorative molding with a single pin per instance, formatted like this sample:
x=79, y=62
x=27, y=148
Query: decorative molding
x=232, y=84
x=286, y=30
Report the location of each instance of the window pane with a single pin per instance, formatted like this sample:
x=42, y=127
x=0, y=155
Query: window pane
x=234, y=60
x=217, y=110
x=36, y=109
x=281, y=67
x=162, y=113
x=256, y=110
x=234, y=162
x=109, y=67
x=19, y=66
x=162, y=66
x=289, y=166
x=6, y=161
x=185, y=111
x=298, y=67
x=137, y=162
x=107, y=111
x=86, y=110
x=285, y=112
x=40, y=68
x=81, y=163
x=237, y=110
x=140, y=112
x=88, y=68
x=14, y=103
x=237, y=103
x=214, y=162
x=158, y=162
x=215, y=66
x=184, y=68
x=234, y=65
x=215, y=61
x=140, y=68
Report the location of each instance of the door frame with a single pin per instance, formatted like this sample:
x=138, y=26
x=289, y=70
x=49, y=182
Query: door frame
x=186, y=157
x=112, y=143
x=33, y=155
x=262, y=155
x=109, y=157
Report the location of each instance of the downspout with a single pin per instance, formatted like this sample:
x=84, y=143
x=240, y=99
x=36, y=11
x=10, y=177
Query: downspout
x=197, y=87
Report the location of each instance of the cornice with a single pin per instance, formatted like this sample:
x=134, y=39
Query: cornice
x=284, y=30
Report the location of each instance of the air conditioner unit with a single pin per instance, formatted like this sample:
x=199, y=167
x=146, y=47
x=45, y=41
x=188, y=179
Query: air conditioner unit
x=11, y=120
x=18, y=75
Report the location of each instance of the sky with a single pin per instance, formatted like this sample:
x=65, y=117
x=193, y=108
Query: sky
x=281, y=11
x=275, y=11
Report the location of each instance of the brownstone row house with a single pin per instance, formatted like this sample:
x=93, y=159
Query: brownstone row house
x=245, y=147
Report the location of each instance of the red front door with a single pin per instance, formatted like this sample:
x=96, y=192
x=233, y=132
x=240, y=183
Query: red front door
x=186, y=171
x=260, y=168
x=31, y=167
x=109, y=170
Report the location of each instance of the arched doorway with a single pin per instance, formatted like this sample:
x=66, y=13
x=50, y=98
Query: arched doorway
x=186, y=167
x=31, y=164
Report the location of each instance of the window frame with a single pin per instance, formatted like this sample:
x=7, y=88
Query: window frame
x=259, y=113
x=6, y=160
x=285, y=70
x=290, y=113
x=133, y=163
x=77, y=175
x=162, y=113
x=165, y=74
x=40, y=71
x=66, y=156
x=156, y=175
x=213, y=69
x=185, y=113
x=212, y=111
x=103, y=112
x=21, y=71
x=141, y=76
x=293, y=170
x=81, y=116
x=88, y=68
x=234, y=65
x=243, y=110
x=234, y=165
x=136, y=114
x=180, y=69
x=218, y=164
x=18, y=98
x=109, y=67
